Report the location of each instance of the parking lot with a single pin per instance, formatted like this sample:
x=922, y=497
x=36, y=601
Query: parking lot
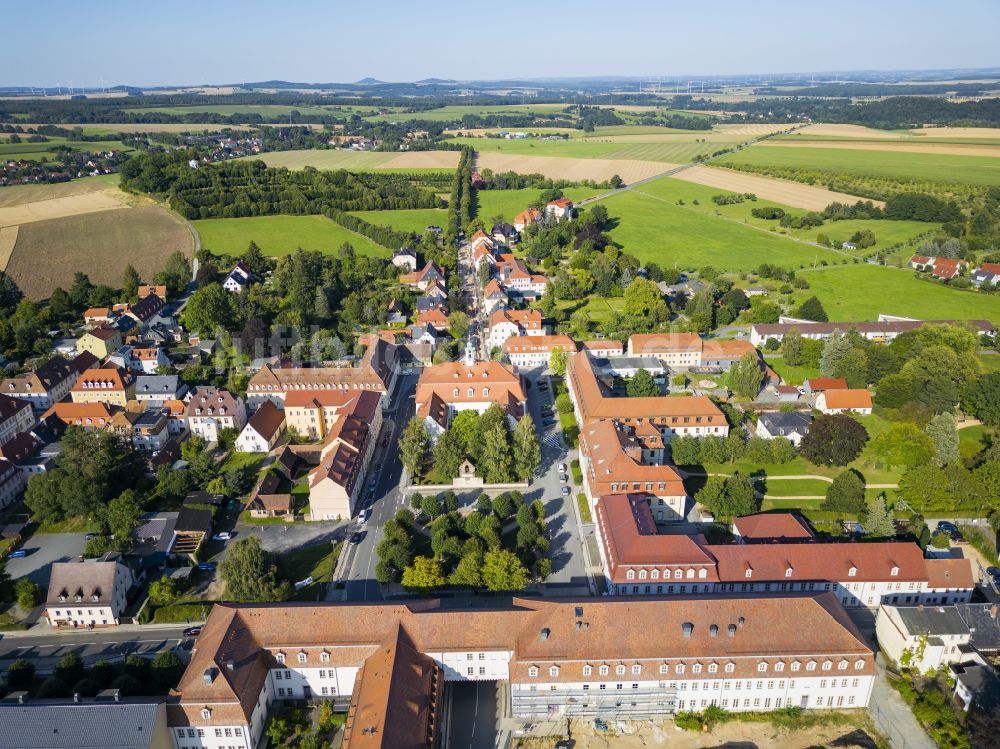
x=42, y=550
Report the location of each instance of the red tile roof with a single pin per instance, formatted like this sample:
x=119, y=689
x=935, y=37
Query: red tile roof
x=817, y=384
x=772, y=526
x=847, y=399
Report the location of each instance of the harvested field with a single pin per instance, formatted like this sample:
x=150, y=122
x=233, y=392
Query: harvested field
x=477, y=132
x=8, y=238
x=163, y=127
x=360, y=160
x=958, y=132
x=20, y=194
x=790, y=193
x=754, y=131
x=902, y=146
x=850, y=131
x=47, y=253
x=52, y=208
x=556, y=167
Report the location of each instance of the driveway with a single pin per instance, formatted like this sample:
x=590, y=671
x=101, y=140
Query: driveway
x=44, y=549
x=473, y=715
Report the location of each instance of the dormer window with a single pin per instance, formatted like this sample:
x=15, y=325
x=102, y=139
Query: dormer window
x=749, y=572
x=859, y=664
x=533, y=672
x=788, y=572
x=894, y=571
x=302, y=657
x=279, y=657
x=554, y=671
x=796, y=666
x=206, y=713
x=324, y=657
x=827, y=665
x=852, y=572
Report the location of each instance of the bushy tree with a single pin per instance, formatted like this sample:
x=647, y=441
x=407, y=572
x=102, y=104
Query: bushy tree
x=903, y=444
x=495, y=459
x=792, y=348
x=880, y=522
x=846, y=494
x=28, y=594
x=833, y=439
x=414, y=447
x=812, y=309
x=164, y=591
x=20, y=674
x=250, y=574
x=835, y=348
x=745, y=376
x=944, y=436
x=642, y=385
x=423, y=575
x=527, y=451
x=448, y=455
x=982, y=398
x=684, y=450
x=502, y=570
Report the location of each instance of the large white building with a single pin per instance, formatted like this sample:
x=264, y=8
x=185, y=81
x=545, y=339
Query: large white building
x=387, y=662
x=88, y=594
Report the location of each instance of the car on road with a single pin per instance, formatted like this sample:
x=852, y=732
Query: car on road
x=89, y=536
x=564, y=490
x=563, y=478
x=207, y=567
x=357, y=537
x=223, y=536
x=562, y=468
x=947, y=526
x=17, y=554
x=192, y=631
x=364, y=515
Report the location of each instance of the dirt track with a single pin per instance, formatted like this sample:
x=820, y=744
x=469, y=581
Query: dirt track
x=782, y=191
x=557, y=167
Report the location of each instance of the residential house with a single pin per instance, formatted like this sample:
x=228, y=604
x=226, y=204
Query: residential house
x=12, y=482
x=108, y=384
x=157, y=389
x=263, y=430
x=313, y=414
x=145, y=310
x=526, y=218
x=536, y=350
x=505, y=234
x=176, y=412
x=88, y=594
x=792, y=425
x=16, y=417
x=559, y=209
x=629, y=366
x=786, y=393
x=515, y=277
x=435, y=318
x=147, y=290
x=238, y=278
x=939, y=267
x=211, y=409
x=49, y=383
x=99, y=315
x=144, y=360
x=504, y=323
x=922, y=637
x=448, y=388
x=423, y=278
x=267, y=501
x=555, y=657
x=95, y=415
x=436, y=289
x=423, y=334
x=101, y=341
x=987, y=274
x=405, y=258
x=494, y=296
x=335, y=485
x=816, y=385
x=20, y=450
x=676, y=350
x=427, y=303
x=841, y=401
x=150, y=430
x=482, y=240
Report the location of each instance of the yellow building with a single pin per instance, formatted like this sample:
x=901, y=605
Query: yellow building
x=313, y=413
x=104, y=385
x=101, y=342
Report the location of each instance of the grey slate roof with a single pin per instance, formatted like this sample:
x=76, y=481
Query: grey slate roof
x=984, y=624
x=780, y=423
x=932, y=620
x=165, y=385
x=78, y=725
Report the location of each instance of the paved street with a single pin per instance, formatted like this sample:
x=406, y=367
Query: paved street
x=94, y=645
x=473, y=715
x=360, y=579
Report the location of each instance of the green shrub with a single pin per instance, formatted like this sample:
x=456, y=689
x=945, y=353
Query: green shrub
x=182, y=612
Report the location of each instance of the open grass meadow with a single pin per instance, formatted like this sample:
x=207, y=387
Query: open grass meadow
x=509, y=203
x=445, y=114
x=415, y=220
x=791, y=375
x=280, y=235
x=699, y=198
x=40, y=151
x=634, y=148
x=414, y=162
x=930, y=167
x=658, y=230
x=229, y=110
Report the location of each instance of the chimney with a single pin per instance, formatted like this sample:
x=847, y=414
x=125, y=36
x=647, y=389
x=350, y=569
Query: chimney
x=230, y=664
x=76, y=696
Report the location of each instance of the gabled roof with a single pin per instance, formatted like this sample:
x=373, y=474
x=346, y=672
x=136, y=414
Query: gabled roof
x=527, y=318
x=785, y=422
x=650, y=343
x=816, y=384
x=950, y=574
x=103, y=378
x=65, y=724
x=10, y=407
x=533, y=343
x=102, y=333
x=84, y=580
x=776, y=526
x=267, y=420
x=847, y=398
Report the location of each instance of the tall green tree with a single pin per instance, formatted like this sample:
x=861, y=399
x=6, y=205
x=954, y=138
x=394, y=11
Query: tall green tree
x=495, y=460
x=414, y=447
x=642, y=385
x=557, y=361
x=250, y=574
x=812, y=309
x=982, y=398
x=944, y=436
x=131, y=282
x=423, y=575
x=834, y=350
x=902, y=444
x=502, y=570
x=880, y=521
x=208, y=309
x=834, y=440
x=846, y=494
x=745, y=376
x=527, y=451
x=792, y=348
x=449, y=453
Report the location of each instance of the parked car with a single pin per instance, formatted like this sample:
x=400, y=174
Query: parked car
x=564, y=490
x=996, y=580
x=207, y=567
x=17, y=554
x=192, y=631
x=947, y=526
x=993, y=571
x=957, y=536
x=562, y=468
x=356, y=538
x=364, y=515
x=223, y=536
x=563, y=478
x=89, y=536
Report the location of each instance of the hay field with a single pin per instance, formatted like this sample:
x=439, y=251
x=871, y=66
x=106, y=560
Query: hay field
x=958, y=132
x=53, y=208
x=795, y=194
x=360, y=160
x=21, y=194
x=8, y=238
x=281, y=235
x=900, y=146
x=850, y=131
x=754, y=131
x=47, y=253
x=557, y=167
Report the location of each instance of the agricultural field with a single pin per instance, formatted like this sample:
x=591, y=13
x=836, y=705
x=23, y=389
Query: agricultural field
x=40, y=151
x=675, y=150
x=135, y=127
x=443, y=114
x=280, y=235
x=971, y=170
x=416, y=220
x=553, y=167
x=230, y=110
x=47, y=253
x=971, y=148
x=770, y=189
x=360, y=161
x=656, y=229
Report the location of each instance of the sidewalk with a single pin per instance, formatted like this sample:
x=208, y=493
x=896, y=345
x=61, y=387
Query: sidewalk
x=41, y=628
x=894, y=717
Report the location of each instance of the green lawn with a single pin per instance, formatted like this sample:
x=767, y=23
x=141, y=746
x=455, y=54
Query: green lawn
x=862, y=291
x=974, y=439
x=415, y=220
x=658, y=230
x=597, y=309
x=932, y=167
x=990, y=362
x=38, y=151
x=796, y=488
x=242, y=460
x=280, y=235
x=316, y=561
x=509, y=203
x=791, y=375
x=228, y=110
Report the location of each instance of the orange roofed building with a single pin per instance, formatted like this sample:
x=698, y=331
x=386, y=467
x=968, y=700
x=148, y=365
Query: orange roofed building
x=526, y=218
x=536, y=350
x=504, y=323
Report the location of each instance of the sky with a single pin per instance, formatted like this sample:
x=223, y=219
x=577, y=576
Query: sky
x=183, y=42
